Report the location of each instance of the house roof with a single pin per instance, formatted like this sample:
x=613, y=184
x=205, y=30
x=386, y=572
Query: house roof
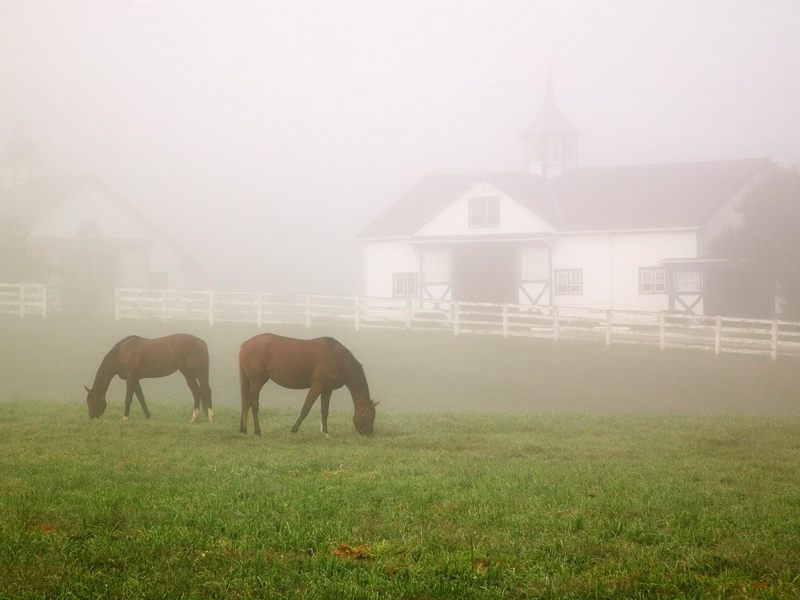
x=28, y=203
x=435, y=192
x=657, y=196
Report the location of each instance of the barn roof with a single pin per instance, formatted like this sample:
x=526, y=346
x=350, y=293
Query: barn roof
x=650, y=196
x=591, y=198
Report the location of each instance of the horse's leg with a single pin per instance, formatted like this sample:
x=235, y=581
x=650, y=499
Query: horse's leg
x=130, y=387
x=324, y=405
x=205, y=389
x=253, y=401
x=310, y=399
x=140, y=396
x=196, y=393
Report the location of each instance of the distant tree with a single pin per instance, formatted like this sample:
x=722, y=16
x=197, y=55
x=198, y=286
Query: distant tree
x=769, y=235
x=20, y=261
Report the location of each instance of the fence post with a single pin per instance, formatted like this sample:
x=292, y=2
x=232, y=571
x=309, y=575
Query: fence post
x=609, y=320
x=662, y=330
x=774, y=340
x=555, y=324
x=308, y=311
x=456, y=317
x=164, y=305
x=211, y=308
x=717, y=335
x=116, y=303
x=21, y=300
x=260, y=301
x=358, y=314
x=505, y=320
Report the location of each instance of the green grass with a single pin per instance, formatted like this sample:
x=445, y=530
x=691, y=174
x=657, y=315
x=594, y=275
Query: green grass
x=500, y=468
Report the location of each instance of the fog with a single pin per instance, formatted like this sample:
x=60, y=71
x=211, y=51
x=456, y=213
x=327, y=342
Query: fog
x=263, y=137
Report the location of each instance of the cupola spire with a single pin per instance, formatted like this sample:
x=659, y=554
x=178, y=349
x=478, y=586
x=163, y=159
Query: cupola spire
x=551, y=140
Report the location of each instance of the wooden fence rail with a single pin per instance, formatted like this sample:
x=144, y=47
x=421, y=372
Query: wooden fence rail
x=715, y=334
x=23, y=299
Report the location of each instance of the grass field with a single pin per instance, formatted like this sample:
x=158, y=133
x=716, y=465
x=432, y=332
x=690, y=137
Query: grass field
x=499, y=468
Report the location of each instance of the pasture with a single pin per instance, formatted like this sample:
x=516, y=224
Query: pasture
x=499, y=468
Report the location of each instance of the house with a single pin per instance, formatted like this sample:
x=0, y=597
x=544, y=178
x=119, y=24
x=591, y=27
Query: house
x=94, y=239
x=628, y=237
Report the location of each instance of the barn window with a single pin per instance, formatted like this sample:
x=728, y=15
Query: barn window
x=569, y=282
x=688, y=282
x=652, y=280
x=484, y=211
x=404, y=285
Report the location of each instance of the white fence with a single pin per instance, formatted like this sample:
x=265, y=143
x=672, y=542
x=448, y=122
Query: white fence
x=23, y=299
x=716, y=334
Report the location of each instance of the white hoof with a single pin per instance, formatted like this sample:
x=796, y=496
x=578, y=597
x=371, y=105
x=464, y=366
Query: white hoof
x=124, y=418
x=210, y=416
x=194, y=416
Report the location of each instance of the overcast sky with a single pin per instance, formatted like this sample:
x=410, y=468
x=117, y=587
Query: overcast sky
x=268, y=134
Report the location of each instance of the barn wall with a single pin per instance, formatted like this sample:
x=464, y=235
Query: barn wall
x=381, y=259
x=454, y=220
x=610, y=265
x=631, y=251
x=590, y=253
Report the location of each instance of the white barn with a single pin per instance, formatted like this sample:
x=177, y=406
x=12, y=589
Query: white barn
x=628, y=237
x=93, y=239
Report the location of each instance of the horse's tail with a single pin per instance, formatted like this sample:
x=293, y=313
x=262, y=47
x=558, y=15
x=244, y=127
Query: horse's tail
x=203, y=379
x=244, y=386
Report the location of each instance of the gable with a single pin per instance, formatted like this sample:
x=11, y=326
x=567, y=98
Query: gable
x=434, y=193
x=513, y=217
x=89, y=210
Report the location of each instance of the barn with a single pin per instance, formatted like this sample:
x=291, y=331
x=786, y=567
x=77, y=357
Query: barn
x=94, y=239
x=632, y=237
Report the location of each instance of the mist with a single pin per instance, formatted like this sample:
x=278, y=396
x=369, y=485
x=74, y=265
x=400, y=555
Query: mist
x=263, y=137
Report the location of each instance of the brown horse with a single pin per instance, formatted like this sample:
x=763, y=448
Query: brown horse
x=320, y=365
x=135, y=358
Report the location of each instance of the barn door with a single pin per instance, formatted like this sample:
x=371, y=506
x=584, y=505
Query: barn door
x=436, y=274
x=687, y=292
x=534, y=275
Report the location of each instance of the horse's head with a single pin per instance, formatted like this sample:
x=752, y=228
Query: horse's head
x=96, y=403
x=364, y=419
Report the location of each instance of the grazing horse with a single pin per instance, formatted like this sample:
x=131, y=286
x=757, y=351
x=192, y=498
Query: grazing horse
x=320, y=365
x=134, y=358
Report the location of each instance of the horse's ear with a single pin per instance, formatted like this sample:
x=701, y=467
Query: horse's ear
x=87, y=389
x=374, y=403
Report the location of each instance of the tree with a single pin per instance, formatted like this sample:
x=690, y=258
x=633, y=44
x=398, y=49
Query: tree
x=20, y=261
x=769, y=235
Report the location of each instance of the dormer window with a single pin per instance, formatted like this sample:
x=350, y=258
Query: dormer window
x=484, y=211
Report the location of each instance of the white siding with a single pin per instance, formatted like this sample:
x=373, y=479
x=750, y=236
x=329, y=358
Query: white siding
x=381, y=259
x=610, y=265
x=454, y=220
x=633, y=250
x=590, y=253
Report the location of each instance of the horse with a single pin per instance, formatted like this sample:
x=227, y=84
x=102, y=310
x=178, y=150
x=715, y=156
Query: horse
x=134, y=358
x=320, y=365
